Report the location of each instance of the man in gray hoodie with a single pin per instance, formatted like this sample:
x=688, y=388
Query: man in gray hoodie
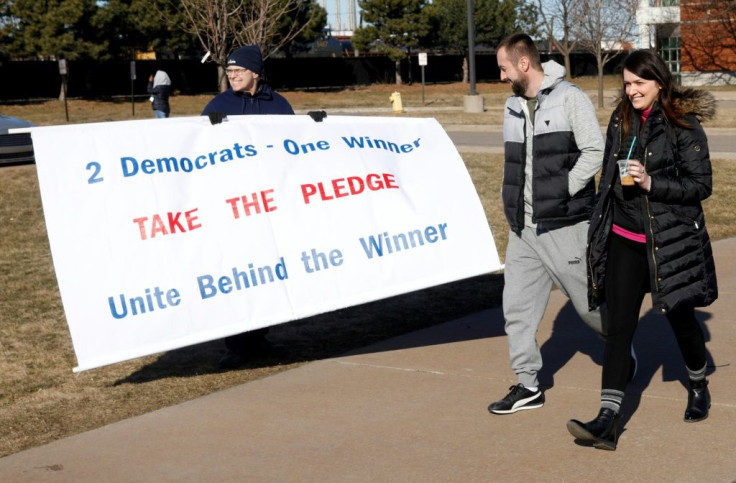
x=553, y=148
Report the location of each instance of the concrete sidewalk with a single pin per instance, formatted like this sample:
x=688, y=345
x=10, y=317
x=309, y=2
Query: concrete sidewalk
x=413, y=409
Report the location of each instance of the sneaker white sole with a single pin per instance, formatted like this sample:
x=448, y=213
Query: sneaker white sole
x=514, y=410
x=521, y=405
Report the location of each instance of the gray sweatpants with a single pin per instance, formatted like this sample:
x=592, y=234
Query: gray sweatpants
x=534, y=262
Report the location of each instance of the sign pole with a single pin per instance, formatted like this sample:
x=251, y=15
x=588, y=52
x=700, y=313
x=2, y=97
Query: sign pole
x=422, y=62
x=63, y=71
x=132, y=89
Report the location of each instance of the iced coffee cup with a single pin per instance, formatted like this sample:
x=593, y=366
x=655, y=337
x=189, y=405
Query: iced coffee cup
x=623, y=170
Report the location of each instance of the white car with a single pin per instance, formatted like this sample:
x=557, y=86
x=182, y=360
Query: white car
x=15, y=148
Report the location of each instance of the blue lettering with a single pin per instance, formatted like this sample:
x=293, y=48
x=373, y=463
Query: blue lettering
x=291, y=146
x=186, y=165
x=241, y=279
x=123, y=306
x=206, y=290
x=353, y=142
x=152, y=299
x=125, y=163
x=374, y=243
x=147, y=166
x=386, y=244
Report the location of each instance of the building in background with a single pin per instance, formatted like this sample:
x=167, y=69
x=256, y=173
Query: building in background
x=697, y=38
x=342, y=17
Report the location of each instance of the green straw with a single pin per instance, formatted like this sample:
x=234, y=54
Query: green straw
x=631, y=148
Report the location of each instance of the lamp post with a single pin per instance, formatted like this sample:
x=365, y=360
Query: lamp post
x=472, y=102
x=64, y=72
x=471, y=48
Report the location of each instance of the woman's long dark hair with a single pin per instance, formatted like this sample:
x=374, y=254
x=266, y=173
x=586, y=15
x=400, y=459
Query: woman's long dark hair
x=648, y=65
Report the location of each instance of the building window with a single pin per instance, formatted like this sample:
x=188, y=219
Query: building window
x=668, y=47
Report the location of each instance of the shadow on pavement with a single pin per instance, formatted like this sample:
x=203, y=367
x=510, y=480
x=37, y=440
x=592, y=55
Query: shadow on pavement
x=356, y=328
x=654, y=343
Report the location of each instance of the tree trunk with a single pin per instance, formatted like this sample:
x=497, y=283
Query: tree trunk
x=222, y=76
x=568, y=67
x=398, y=72
x=466, y=75
x=409, y=76
x=600, y=81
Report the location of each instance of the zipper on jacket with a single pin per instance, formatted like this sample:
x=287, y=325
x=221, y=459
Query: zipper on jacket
x=593, y=283
x=651, y=232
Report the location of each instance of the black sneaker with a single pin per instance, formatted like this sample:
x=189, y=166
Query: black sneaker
x=519, y=398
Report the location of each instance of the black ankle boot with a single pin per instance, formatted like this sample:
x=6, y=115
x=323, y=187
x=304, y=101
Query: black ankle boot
x=601, y=431
x=698, y=401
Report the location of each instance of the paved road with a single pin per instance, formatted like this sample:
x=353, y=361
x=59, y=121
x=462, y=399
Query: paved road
x=486, y=138
x=413, y=409
x=721, y=141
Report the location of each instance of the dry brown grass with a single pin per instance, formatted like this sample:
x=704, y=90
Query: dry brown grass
x=41, y=400
x=442, y=101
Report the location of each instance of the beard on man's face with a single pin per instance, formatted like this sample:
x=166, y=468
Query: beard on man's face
x=519, y=86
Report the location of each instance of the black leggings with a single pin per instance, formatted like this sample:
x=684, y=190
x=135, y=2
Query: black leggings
x=627, y=281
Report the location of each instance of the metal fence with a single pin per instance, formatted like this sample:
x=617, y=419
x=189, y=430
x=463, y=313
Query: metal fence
x=91, y=80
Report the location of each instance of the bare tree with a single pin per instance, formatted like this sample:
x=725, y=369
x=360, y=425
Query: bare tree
x=223, y=25
x=557, y=17
x=604, y=28
x=716, y=50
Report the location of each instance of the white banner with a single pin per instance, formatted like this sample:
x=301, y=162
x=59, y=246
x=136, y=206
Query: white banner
x=171, y=232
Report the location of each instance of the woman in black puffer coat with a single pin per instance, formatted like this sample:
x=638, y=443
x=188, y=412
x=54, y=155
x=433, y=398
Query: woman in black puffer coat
x=651, y=237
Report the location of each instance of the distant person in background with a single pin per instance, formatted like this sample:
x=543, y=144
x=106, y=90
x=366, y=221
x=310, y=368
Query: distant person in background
x=247, y=95
x=159, y=86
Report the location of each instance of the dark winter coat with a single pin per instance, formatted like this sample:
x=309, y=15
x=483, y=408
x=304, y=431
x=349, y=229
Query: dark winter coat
x=681, y=266
x=265, y=101
x=160, y=95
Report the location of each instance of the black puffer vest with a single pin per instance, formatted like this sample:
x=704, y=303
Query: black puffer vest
x=555, y=153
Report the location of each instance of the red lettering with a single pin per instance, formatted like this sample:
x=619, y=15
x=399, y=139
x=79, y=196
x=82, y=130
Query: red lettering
x=256, y=203
x=351, y=185
x=192, y=219
x=167, y=224
x=352, y=181
x=390, y=181
x=234, y=205
x=158, y=226
x=374, y=182
x=322, y=192
x=307, y=191
x=141, y=226
x=268, y=201
x=174, y=222
x=338, y=187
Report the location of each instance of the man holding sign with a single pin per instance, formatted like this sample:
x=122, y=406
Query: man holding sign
x=246, y=95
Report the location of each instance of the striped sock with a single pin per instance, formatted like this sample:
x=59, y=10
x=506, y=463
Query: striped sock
x=612, y=399
x=698, y=375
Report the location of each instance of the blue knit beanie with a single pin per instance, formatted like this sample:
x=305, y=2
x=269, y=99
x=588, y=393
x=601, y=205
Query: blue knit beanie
x=248, y=57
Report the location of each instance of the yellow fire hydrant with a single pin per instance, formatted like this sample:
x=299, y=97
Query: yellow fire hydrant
x=396, y=101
